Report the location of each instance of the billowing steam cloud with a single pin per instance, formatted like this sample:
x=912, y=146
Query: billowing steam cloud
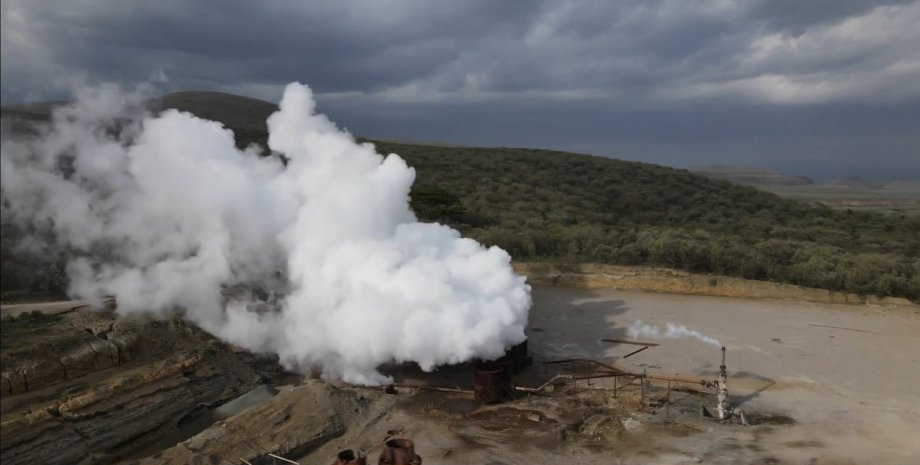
x=164, y=213
x=638, y=329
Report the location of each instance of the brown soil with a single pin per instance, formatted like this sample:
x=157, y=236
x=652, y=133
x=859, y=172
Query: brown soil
x=598, y=276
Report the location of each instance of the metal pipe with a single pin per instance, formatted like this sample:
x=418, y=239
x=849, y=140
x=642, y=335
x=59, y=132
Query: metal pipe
x=642, y=406
x=621, y=372
x=569, y=377
x=584, y=360
x=702, y=382
x=722, y=405
x=597, y=375
x=635, y=343
x=543, y=386
x=667, y=406
x=434, y=388
x=282, y=459
x=635, y=352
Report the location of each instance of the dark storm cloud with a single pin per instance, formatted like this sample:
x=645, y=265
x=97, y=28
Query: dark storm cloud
x=822, y=86
x=335, y=46
x=795, y=16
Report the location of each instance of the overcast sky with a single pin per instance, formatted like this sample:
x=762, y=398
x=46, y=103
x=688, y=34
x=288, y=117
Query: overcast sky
x=822, y=88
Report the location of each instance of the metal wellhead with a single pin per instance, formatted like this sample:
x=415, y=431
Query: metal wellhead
x=399, y=452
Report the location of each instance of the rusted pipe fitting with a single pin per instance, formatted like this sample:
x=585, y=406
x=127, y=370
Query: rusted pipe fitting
x=399, y=452
x=348, y=457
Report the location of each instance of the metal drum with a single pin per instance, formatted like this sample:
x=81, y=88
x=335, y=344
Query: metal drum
x=399, y=452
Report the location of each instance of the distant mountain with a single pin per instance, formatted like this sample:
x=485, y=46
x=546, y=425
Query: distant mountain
x=852, y=193
x=855, y=182
x=233, y=111
x=755, y=177
x=30, y=111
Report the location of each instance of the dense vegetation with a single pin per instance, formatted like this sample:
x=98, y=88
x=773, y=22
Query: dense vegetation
x=547, y=205
x=540, y=204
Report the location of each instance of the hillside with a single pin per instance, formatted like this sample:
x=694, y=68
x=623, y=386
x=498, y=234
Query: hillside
x=237, y=112
x=754, y=177
x=849, y=193
x=891, y=197
x=541, y=204
x=243, y=114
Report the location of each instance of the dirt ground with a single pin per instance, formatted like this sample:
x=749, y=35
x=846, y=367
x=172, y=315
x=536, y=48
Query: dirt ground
x=848, y=375
x=51, y=308
x=829, y=384
x=823, y=384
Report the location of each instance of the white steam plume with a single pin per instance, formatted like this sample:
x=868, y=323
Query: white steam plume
x=638, y=329
x=169, y=214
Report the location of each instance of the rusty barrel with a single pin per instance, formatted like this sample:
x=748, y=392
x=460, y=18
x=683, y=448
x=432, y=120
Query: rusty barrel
x=492, y=380
x=399, y=452
x=348, y=457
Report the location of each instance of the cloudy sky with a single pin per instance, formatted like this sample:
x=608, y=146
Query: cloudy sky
x=822, y=88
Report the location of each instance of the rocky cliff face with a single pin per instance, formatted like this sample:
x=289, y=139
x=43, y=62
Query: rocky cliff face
x=94, y=399
x=297, y=420
x=41, y=369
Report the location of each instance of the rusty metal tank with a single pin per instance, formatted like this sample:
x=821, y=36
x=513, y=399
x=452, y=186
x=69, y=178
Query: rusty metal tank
x=399, y=452
x=348, y=457
x=492, y=380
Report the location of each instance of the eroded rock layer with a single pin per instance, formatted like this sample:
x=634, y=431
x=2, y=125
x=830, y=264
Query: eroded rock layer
x=70, y=398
